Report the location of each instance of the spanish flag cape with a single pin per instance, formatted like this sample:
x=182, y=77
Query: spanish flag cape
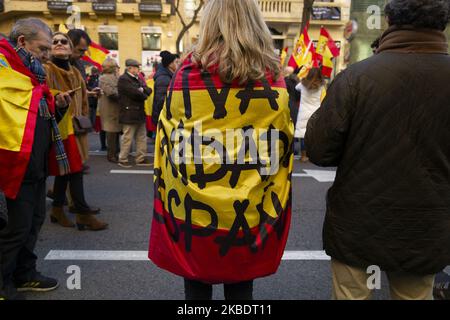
x=217, y=220
x=20, y=95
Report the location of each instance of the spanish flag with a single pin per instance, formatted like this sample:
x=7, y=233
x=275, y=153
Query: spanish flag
x=326, y=51
x=149, y=107
x=20, y=95
x=96, y=55
x=223, y=166
x=283, y=55
x=303, y=56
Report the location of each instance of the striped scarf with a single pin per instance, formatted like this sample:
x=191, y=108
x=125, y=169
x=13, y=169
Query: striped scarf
x=38, y=71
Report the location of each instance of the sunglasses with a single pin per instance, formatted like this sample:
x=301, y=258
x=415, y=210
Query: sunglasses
x=62, y=41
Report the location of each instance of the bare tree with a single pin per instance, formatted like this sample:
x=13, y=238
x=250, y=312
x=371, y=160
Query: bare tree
x=307, y=10
x=186, y=25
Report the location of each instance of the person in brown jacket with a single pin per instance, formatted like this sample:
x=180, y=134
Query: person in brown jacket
x=110, y=108
x=385, y=124
x=63, y=77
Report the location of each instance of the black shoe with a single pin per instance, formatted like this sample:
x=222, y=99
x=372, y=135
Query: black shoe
x=144, y=163
x=125, y=164
x=10, y=293
x=39, y=284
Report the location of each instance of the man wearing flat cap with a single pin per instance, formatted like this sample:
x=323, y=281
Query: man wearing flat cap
x=132, y=95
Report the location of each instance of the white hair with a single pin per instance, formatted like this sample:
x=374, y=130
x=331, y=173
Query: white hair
x=29, y=28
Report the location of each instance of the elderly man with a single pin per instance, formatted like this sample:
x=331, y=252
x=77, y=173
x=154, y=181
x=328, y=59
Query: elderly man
x=385, y=124
x=26, y=130
x=132, y=94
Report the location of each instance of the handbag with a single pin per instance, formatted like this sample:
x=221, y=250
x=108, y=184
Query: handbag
x=81, y=125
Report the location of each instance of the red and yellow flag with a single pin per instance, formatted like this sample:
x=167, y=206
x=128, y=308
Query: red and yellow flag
x=283, y=56
x=326, y=51
x=20, y=95
x=57, y=80
x=96, y=55
x=149, y=106
x=219, y=215
x=303, y=56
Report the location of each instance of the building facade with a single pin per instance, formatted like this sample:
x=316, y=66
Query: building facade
x=370, y=22
x=283, y=18
x=140, y=29
x=137, y=29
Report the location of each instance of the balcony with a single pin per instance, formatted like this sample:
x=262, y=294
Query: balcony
x=92, y=8
x=281, y=10
x=335, y=12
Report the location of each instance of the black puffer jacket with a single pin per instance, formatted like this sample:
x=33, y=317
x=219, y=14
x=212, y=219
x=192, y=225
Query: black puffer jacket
x=132, y=99
x=162, y=77
x=386, y=124
x=294, y=96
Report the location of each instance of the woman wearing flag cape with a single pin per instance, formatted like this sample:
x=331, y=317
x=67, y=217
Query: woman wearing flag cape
x=223, y=158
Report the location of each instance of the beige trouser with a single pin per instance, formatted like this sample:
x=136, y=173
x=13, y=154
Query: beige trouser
x=350, y=283
x=130, y=132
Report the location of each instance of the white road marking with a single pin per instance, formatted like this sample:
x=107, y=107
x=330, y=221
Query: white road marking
x=319, y=175
x=132, y=172
x=104, y=153
x=100, y=255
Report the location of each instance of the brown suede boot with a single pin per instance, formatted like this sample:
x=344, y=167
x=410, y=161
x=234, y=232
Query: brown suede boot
x=88, y=221
x=58, y=216
x=304, y=158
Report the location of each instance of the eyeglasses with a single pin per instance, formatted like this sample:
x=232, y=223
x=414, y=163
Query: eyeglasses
x=62, y=41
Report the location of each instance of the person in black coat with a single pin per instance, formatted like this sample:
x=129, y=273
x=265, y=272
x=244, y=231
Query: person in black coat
x=385, y=124
x=132, y=95
x=162, y=77
x=291, y=79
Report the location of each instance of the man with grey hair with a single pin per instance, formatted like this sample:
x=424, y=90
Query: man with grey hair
x=23, y=172
x=385, y=124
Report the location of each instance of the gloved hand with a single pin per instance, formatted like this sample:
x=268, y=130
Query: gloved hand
x=3, y=211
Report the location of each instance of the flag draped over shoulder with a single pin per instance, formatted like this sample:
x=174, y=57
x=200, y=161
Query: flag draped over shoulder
x=223, y=166
x=326, y=51
x=20, y=95
x=283, y=56
x=60, y=80
x=96, y=55
x=149, y=107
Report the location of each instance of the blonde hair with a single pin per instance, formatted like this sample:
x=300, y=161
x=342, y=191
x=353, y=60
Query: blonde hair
x=234, y=37
x=109, y=66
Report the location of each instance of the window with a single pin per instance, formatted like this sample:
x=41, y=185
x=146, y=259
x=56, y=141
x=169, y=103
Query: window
x=109, y=40
x=151, y=41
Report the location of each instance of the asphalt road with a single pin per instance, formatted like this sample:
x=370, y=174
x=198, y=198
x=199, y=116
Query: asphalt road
x=126, y=203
